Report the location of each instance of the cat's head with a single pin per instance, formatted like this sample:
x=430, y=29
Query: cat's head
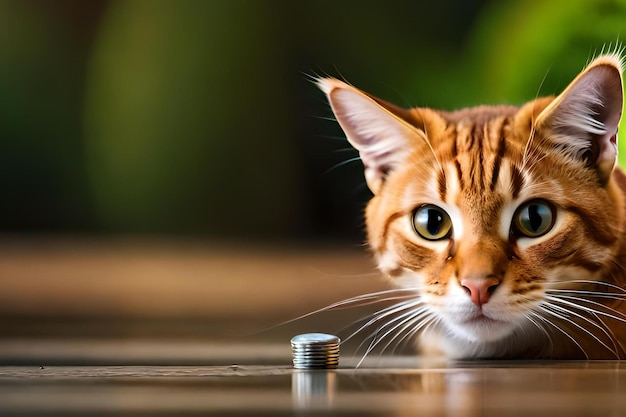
x=483, y=210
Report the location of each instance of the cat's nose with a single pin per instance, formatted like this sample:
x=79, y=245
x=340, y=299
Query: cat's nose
x=480, y=289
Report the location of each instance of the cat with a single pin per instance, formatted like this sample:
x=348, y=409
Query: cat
x=502, y=227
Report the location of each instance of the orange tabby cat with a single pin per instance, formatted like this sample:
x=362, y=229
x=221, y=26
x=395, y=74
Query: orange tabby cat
x=505, y=225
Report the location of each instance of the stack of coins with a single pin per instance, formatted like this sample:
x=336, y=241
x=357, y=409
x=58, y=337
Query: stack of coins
x=315, y=351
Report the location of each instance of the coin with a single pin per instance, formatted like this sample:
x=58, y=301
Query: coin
x=315, y=351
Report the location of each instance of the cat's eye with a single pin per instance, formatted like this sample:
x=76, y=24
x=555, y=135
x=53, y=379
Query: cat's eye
x=534, y=218
x=432, y=222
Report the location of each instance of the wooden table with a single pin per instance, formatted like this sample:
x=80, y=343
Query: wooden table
x=135, y=328
x=396, y=387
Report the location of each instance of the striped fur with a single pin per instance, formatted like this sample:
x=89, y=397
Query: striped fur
x=487, y=290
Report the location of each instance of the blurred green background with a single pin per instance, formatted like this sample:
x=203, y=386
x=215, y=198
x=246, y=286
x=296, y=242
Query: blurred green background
x=199, y=118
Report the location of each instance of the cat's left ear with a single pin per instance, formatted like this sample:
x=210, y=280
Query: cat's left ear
x=582, y=122
x=377, y=129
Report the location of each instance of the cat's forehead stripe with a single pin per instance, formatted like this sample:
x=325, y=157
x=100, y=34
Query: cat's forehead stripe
x=470, y=158
x=478, y=151
x=441, y=182
x=478, y=135
x=501, y=149
x=517, y=181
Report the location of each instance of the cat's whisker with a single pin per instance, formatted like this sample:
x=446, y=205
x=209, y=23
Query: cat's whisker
x=361, y=300
x=340, y=164
x=329, y=119
x=370, y=319
x=612, y=335
x=593, y=312
x=564, y=300
x=588, y=281
x=529, y=316
x=358, y=303
x=384, y=313
x=342, y=150
x=377, y=338
x=563, y=331
x=553, y=303
x=549, y=305
x=402, y=333
x=369, y=348
x=408, y=321
x=376, y=296
x=591, y=294
x=422, y=325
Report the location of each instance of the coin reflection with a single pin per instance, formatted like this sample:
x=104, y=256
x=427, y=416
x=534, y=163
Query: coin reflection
x=313, y=388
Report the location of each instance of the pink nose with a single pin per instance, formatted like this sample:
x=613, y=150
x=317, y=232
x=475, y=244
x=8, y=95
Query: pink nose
x=480, y=289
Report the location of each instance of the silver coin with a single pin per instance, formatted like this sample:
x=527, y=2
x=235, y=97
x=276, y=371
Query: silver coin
x=315, y=351
x=310, y=339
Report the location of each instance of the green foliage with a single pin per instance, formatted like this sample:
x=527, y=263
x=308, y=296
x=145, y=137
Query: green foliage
x=182, y=99
x=530, y=48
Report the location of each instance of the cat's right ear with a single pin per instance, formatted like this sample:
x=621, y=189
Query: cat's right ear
x=383, y=139
x=582, y=122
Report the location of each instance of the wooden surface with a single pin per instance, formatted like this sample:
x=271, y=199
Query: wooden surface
x=134, y=328
x=398, y=387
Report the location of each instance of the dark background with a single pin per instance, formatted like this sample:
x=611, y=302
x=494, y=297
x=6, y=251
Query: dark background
x=198, y=118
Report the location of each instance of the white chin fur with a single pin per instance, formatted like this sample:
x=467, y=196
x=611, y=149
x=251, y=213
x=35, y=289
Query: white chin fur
x=482, y=330
x=453, y=345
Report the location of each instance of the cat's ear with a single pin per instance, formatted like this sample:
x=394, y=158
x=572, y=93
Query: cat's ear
x=373, y=127
x=582, y=122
